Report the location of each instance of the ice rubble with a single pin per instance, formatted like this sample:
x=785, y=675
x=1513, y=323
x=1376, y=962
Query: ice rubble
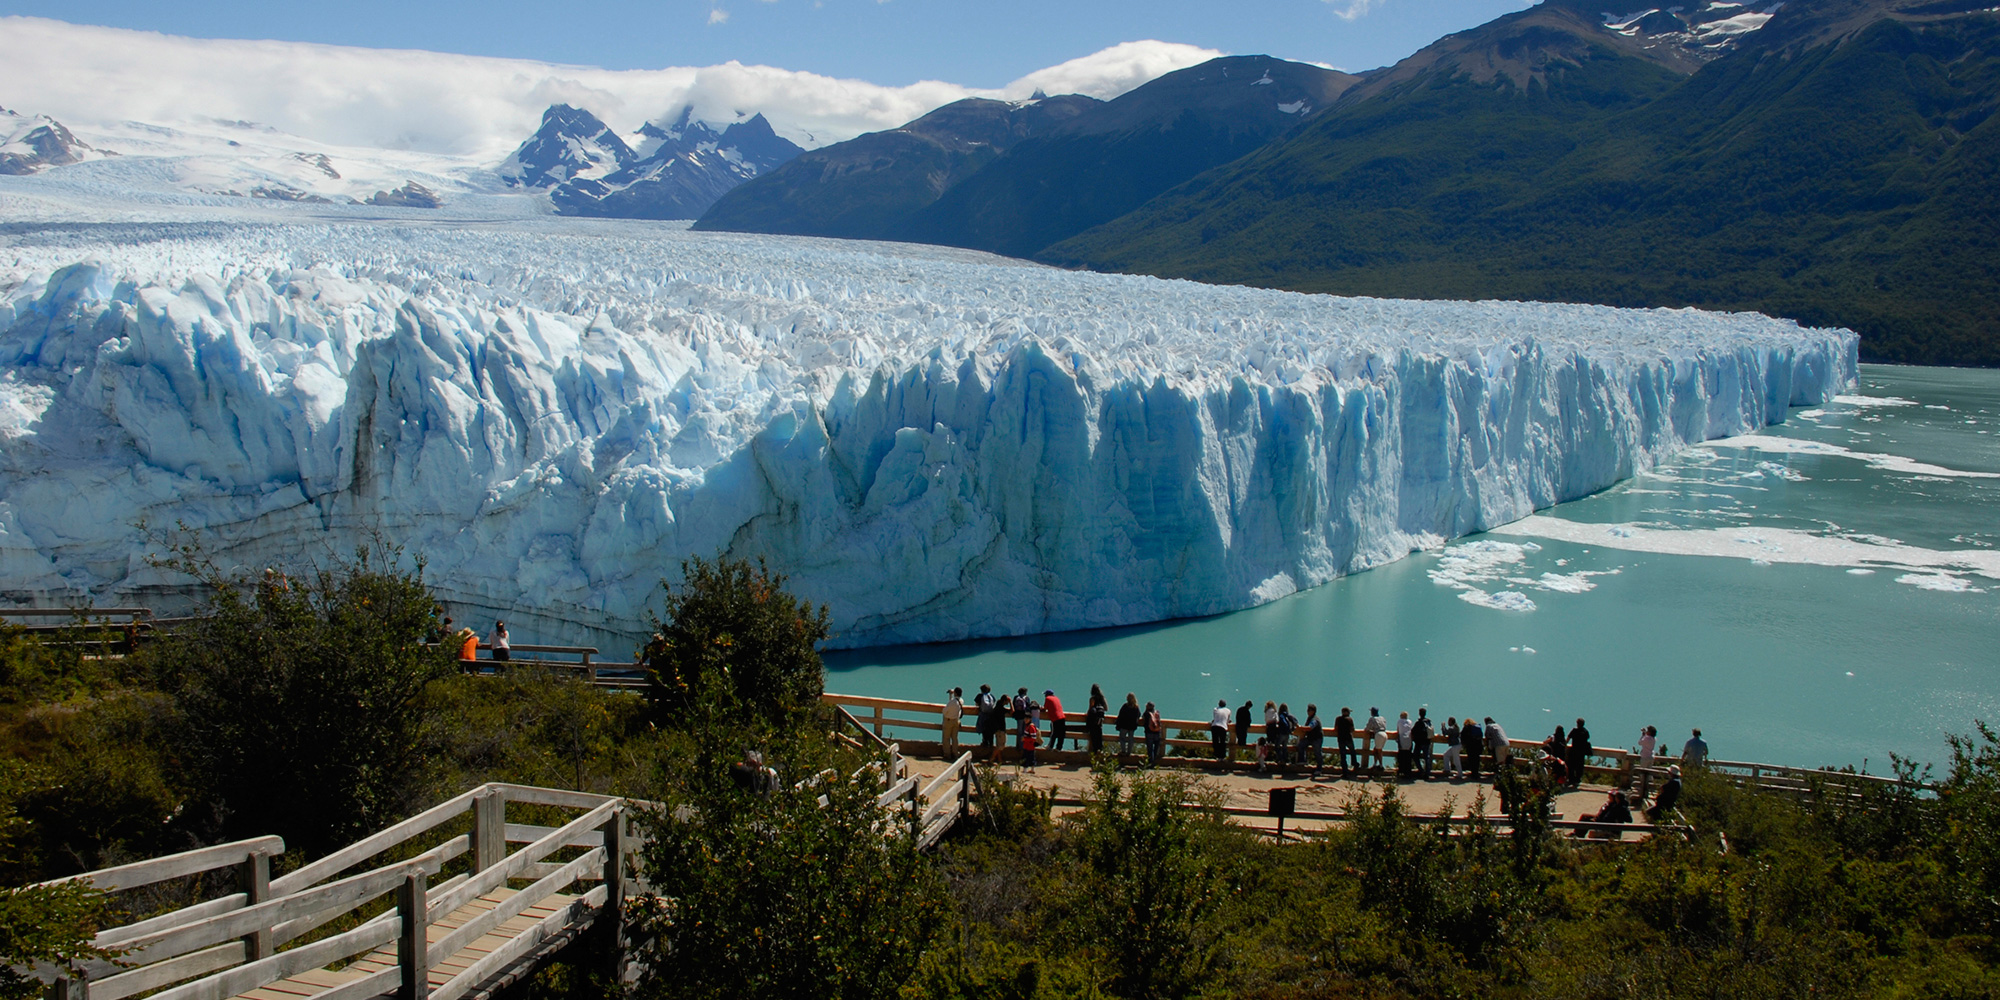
x=937, y=444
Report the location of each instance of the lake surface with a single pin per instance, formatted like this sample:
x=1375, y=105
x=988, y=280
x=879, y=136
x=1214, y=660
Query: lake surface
x=1826, y=592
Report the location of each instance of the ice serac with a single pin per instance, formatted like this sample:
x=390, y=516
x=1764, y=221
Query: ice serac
x=937, y=444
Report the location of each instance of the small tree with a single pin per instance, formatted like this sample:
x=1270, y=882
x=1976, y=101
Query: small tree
x=776, y=894
x=298, y=700
x=52, y=924
x=1144, y=894
x=734, y=648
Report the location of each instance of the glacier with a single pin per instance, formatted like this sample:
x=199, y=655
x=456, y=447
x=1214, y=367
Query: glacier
x=937, y=444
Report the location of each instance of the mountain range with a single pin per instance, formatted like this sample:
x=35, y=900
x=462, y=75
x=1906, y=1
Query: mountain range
x=1832, y=161
x=671, y=172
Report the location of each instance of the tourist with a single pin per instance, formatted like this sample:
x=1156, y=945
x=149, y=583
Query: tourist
x=1019, y=709
x=1454, y=755
x=502, y=652
x=1554, y=767
x=1420, y=742
x=1093, y=720
x=442, y=632
x=1497, y=746
x=1263, y=753
x=1271, y=725
x=1670, y=793
x=984, y=708
x=1052, y=710
x=1287, y=723
x=1403, y=729
x=1557, y=744
x=1616, y=810
x=468, y=650
x=1376, y=733
x=1156, y=736
x=1343, y=734
x=1218, y=729
x=1649, y=742
x=954, y=710
x=1128, y=720
x=1579, y=753
x=751, y=775
x=1031, y=738
x=1694, y=754
x=1313, y=739
x=1243, y=725
x=1472, y=740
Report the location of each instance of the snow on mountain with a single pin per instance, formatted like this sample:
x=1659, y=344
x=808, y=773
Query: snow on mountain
x=32, y=143
x=1704, y=30
x=671, y=172
x=216, y=162
x=571, y=143
x=937, y=443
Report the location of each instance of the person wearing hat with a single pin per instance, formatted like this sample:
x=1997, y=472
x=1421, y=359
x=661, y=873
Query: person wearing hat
x=1670, y=793
x=1052, y=710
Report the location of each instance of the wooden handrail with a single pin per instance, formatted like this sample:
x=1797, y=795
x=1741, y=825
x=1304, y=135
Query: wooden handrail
x=174, y=866
x=74, y=612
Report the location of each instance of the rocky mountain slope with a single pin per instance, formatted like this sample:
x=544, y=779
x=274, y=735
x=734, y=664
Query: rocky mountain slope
x=1833, y=161
x=1015, y=178
x=870, y=186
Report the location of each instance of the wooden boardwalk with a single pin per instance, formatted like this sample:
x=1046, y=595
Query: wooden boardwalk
x=367, y=921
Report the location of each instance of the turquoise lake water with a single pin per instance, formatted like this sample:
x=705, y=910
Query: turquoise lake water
x=1825, y=592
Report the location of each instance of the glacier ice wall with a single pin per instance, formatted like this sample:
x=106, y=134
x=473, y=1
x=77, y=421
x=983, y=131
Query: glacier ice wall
x=936, y=444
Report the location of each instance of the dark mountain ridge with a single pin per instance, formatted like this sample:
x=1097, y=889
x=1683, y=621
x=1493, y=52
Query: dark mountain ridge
x=868, y=186
x=1835, y=162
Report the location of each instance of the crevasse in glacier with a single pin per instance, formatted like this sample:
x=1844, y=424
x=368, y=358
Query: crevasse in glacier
x=936, y=444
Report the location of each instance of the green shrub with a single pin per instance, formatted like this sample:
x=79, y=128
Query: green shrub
x=299, y=700
x=734, y=648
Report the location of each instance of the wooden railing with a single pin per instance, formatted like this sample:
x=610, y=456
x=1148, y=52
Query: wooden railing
x=616, y=675
x=264, y=934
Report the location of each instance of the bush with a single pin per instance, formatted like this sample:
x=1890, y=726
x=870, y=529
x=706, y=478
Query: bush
x=734, y=648
x=1141, y=895
x=777, y=895
x=299, y=699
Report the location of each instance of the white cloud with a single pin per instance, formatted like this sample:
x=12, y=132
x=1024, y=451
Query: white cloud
x=1109, y=72
x=1350, y=10
x=718, y=16
x=471, y=105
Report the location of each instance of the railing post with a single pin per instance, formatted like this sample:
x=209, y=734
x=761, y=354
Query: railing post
x=255, y=876
x=413, y=943
x=489, y=830
x=613, y=913
x=589, y=671
x=965, y=790
x=878, y=720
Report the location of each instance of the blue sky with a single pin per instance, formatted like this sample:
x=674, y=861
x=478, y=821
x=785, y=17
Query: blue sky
x=975, y=43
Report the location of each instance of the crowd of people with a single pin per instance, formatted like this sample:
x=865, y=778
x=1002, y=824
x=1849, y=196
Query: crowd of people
x=1277, y=740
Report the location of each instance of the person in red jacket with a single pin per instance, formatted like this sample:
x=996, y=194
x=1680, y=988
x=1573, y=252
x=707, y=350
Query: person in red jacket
x=1052, y=713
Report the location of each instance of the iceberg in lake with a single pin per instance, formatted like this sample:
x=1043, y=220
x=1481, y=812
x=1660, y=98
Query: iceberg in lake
x=935, y=443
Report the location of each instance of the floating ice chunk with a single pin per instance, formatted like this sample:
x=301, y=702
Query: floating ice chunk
x=1877, y=460
x=1861, y=571
x=1771, y=544
x=1868, y=401
x=1501, y=600
x=1940, y=582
